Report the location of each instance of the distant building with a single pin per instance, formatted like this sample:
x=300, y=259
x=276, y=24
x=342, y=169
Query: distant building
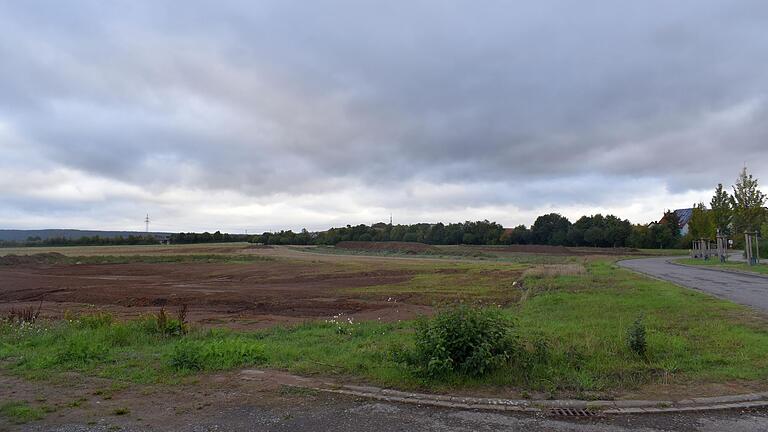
x=162, y=238
x=684, y=218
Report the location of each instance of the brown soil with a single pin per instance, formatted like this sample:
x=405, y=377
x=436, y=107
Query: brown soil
x=398, y=247
x=36, y=259
x=255, y=294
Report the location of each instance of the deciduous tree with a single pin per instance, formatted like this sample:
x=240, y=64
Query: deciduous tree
x=748, y=203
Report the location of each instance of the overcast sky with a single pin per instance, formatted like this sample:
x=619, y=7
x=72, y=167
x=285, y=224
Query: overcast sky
x=265, y=115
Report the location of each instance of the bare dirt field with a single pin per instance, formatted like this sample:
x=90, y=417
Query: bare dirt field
x=257, y=293
x=271, y=285
x=241, y=285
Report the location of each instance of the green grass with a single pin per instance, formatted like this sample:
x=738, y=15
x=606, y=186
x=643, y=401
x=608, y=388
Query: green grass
x=448, y=253
x=20, y=412
x=579, y=322
x=665, y=252
x=436, y=283
x=131, y=351
x=739, y=266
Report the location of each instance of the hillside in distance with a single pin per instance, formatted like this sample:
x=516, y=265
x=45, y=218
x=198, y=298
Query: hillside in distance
x=44, y=234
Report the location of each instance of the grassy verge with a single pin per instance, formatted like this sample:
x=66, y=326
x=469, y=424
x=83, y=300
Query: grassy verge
x=437, y=253
x=578, y=322
x=437, y=284
x=739, y=266
x=450, y=253
x=665, y=252
x=21, y=412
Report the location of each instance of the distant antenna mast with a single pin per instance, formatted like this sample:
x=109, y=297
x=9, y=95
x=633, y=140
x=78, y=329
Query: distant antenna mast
x=146, y=221
x=390, y=219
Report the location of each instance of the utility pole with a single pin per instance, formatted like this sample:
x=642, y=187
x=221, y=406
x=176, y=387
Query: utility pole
x=146, y=221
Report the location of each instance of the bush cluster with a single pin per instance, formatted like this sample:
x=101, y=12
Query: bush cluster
x=464, y=340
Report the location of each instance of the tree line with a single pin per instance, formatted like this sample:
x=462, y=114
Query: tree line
x=81, y=241
x=549, y=229
x=206, y=237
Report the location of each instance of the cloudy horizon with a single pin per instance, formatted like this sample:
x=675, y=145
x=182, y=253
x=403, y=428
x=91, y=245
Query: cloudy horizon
x=275, y=115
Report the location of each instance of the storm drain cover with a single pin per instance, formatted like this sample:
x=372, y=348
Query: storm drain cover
x=572, y=412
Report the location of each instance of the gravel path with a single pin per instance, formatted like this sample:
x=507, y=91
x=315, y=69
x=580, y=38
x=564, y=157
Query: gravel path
x=750, y=290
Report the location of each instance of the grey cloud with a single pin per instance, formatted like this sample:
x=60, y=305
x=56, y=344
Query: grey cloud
x=302, y=97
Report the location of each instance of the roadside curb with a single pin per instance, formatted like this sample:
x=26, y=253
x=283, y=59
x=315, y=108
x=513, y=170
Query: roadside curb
x=574, y=407
x=554, y=407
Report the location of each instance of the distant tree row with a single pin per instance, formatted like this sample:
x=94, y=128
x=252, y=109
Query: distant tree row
x=549, y=229
x=81, y=241
x=482, y=232
x=206, y=237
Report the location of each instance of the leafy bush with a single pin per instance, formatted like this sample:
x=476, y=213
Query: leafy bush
x=216, y=354
x=464, y=340
x=636, y=337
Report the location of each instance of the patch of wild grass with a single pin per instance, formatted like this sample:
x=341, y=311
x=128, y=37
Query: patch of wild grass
x=20, y=412
x=138, y=351
x=729, y=265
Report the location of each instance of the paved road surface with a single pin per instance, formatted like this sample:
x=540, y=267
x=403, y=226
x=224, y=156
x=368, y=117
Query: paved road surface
x=362, y=416
x=741, y=288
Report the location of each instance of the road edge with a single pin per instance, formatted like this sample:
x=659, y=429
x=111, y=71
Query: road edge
x=559, y=407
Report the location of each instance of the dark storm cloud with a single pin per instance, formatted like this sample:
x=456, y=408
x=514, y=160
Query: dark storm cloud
x=527, y=104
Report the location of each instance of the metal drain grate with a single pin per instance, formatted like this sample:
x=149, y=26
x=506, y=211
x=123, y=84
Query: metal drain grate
x=572, y=412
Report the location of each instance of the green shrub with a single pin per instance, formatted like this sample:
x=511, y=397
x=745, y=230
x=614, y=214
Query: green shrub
x=464, y=340
x=636, y=337
x=118, y=335
x=80, y=349
x=95, y=320
x=216, y=354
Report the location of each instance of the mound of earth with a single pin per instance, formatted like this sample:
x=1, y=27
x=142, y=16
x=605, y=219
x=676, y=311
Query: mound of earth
x=258, y=246
x=35, y=259
x=391, y=246
x=561, y=250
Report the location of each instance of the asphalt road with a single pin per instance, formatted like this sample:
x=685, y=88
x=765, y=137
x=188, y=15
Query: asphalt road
x=359, y=416
x=741, y=288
